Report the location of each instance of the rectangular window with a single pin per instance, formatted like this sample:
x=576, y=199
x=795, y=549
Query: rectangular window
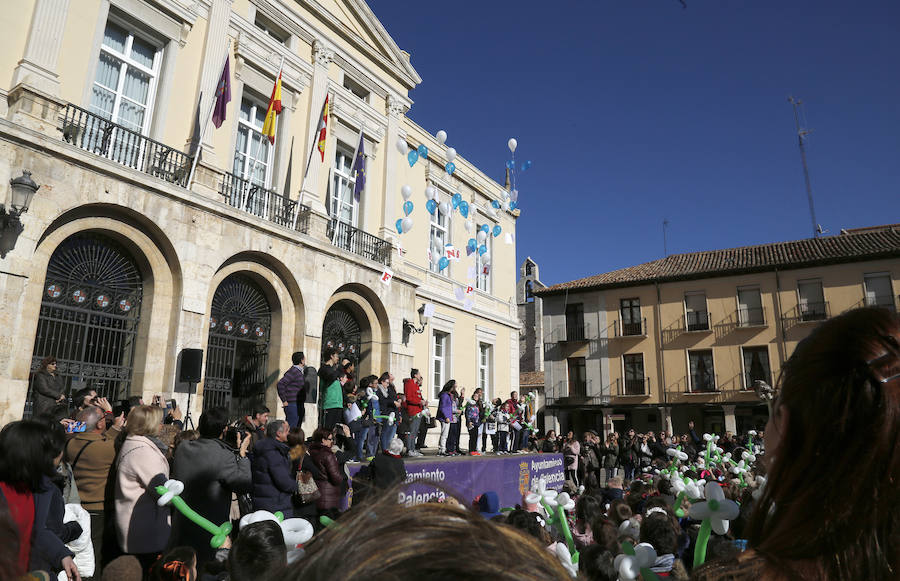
x=695, y=314
x=577, y=377
x=756, y=366
x=342, y=204
x=630, y=310
x=252, y=150
x=634, y=374
x=811, y=304
x=750, y=312
x=485, y=357
x=356, y=88
x=126, y=78
x=439, y=359
x=703, y=377
x=575, y=322
x=484, y=265
x=440, y=236
x=271, y=28
x=879, y=291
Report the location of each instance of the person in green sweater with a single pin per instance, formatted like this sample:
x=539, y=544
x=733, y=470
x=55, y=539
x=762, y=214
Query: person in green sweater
x=329, y=384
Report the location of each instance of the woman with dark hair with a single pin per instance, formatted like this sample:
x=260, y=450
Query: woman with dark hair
x=474, y=412
x=29, y=453
x=330, y=479
x=445, y=414
x=830, y=508
x=301, y=461
x=47, y=388
x=548, y=446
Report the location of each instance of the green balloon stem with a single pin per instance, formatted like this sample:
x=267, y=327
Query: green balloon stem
x=218, y=532
x=564, y=525
x=326, y=521
x=679, y=512
x=743, y=484
x=702, y=541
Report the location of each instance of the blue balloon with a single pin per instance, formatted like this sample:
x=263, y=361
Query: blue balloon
x=526, y=165
x=399, y=225
x=497, y=230
x=455, y=199
x=431, y=206
x=464, y=209
x=495, y=204
x=412, y=157
x=482, y=249
x=443, y=263
x=472, y=244
x=513, y=205
x=485, y=228
x=450, y=167
x=510, y=164
x=423, y=152
x=407, y=207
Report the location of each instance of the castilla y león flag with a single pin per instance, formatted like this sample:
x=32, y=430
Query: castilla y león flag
x=323, y=129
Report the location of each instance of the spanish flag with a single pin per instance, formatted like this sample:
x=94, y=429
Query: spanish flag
x=323, y=129
x=273, y=110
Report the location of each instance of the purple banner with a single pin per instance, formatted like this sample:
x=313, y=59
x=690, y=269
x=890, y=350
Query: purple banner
x=509, y=476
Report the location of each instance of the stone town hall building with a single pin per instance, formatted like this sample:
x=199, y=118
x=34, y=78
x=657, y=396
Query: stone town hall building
x=121, y=264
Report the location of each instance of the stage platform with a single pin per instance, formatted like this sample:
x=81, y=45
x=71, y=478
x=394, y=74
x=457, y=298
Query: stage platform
x=509, y=475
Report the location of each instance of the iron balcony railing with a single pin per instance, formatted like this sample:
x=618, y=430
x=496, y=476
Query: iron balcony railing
x=635, y=386
x=751, y=317
x=703, y=383
x=264, y=203
x=885, y=302
x=575, y=332
x=696, y=321
x=813, y=311
x=93, y=133
x=632, y=329
x=354, y=240
x=751, y=378
x=577, y=388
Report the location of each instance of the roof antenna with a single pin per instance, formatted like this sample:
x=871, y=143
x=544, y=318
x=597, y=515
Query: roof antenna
x=802, y=135
x=665, y=240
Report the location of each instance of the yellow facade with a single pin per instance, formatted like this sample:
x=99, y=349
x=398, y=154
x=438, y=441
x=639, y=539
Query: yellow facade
x=188, y=240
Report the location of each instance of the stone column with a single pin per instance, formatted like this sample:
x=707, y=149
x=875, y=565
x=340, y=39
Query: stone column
x=730, y=423
x=665, y=415
x=213, y=61
x=322, y=59
x=395, y=111
x=38, y=65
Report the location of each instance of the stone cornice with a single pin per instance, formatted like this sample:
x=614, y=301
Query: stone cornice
x=254, y=46
x=354, y=110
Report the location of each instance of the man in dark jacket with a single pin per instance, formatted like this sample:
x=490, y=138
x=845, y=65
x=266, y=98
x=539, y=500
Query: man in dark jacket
x=387, y=468
x=271, y=470
x=47, y=389
x=292, y=390
x=211, y=471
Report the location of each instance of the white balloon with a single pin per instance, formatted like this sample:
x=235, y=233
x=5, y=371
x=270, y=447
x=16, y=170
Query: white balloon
x=514, y=196
x=491, y=211
x=445, y=208
x=401, y=145
x=430, y=192
x=469, y=226
x=406, y=192
x=481, y=236
x=451, y=154
x=441, y=137
x=438, y=249
x=512, y=144
x=406, y=224
x=506, y=205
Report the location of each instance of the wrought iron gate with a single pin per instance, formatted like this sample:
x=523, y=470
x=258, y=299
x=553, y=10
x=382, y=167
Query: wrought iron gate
x=89, y=315
x=238, y=347
x=341, y=331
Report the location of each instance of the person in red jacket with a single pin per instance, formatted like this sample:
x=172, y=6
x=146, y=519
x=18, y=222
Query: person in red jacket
x=412, y=390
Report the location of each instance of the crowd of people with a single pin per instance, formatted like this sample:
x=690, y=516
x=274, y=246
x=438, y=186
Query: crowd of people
x=816, y=492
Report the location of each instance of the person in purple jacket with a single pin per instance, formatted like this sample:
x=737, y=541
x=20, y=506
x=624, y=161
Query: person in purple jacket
x=292, y=390
x=445, y=414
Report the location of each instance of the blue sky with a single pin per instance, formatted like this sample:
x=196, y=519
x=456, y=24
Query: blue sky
x=636, y=111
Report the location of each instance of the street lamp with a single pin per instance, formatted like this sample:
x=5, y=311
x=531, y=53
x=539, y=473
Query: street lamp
x=22, y=189
x=410, y=328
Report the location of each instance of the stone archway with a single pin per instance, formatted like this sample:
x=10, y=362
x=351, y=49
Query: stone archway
x=358, y=308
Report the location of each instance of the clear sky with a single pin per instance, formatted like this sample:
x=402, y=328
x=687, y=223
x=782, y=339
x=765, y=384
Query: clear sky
x=636, y=111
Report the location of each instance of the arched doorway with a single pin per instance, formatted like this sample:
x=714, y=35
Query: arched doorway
x=89, y=315
x=341, y=330
x=238, y=348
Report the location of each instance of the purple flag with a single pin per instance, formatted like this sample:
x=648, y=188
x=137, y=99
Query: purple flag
x=223, y=95
x=359, y=165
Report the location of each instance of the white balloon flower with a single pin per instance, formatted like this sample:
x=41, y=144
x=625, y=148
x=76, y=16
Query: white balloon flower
x=718, y=509
x=629, y=566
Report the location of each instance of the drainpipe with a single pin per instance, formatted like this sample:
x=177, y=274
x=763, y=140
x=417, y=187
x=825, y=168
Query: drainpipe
x=660, y=366
x=779, y=322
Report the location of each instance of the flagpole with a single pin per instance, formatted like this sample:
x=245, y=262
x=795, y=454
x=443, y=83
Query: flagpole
x=311, y=150
x=212, y=106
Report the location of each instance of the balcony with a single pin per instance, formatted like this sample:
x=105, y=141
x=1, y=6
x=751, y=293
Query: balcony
x=358, y=242
x=264, y=203
x=813, y=311
x=885, y=302
x=575, y=333
x=696, y=321
x=577, y=388
x=627, y=387
x=703, y=383
x=632, y=329
x=750, y=380
x=751, y=317
x=93, y=133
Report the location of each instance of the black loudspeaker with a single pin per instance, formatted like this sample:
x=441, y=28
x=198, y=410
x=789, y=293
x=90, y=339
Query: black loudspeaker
x=191, y=365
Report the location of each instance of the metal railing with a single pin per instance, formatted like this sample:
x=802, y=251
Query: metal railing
x=575, y=332
x=696, y=321
x=264, y=203
x=577, y=388
x=633, y=329
x=751, y=378
x=93, y=133
x=357, y=241
x=706, y=383
x=633, y=386
x=813, y=311
x=885, y=302
x=751, y=317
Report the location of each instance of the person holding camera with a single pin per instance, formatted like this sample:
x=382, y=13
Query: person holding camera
x=630, y=454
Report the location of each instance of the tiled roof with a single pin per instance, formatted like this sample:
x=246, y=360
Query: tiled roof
x=850, y=246
x=531, y=379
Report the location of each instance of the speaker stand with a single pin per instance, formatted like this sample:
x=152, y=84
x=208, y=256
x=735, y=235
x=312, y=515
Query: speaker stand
x=188, y=420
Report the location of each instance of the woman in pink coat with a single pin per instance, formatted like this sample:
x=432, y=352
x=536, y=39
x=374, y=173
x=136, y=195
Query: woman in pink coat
x=142, y=527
